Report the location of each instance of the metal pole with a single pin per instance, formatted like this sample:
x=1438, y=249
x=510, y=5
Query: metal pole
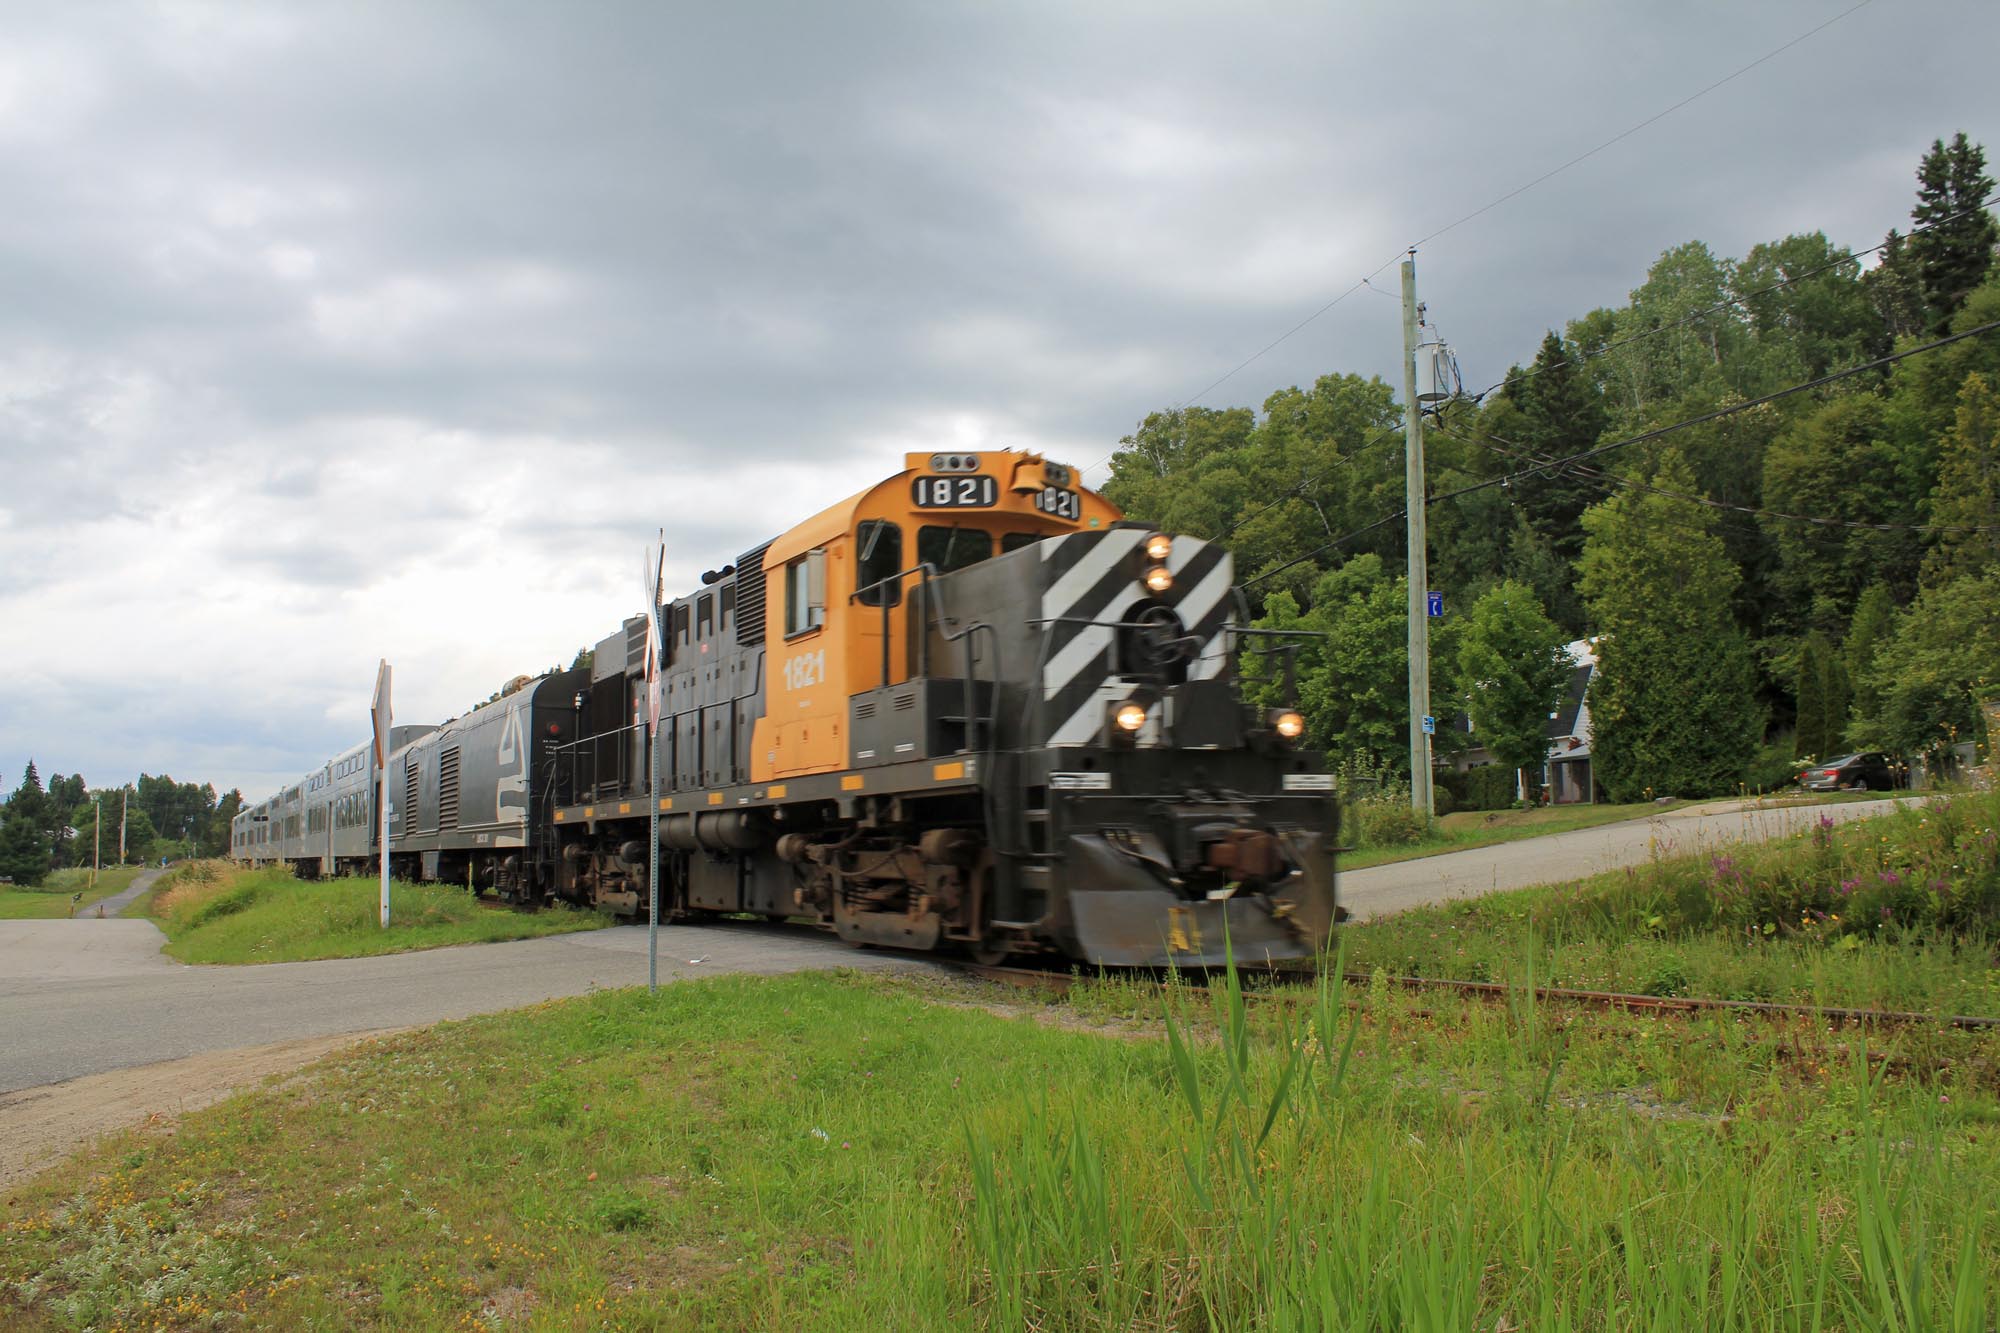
x=96, y=838
x=383, y=716
x=655, y=664
x=1413, y=490
x=653, y=866
x=384, y=801
x=123, y=793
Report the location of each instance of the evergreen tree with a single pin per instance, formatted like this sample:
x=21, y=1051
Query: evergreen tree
x=29, y=800
x=1874, y=621
x=1895, y=288
x=24, y=857
x=1514, y=667
x=1673, y=706
x=1823, y=700
x=1955, y=248
x=1839, y=691
x=1561, y=412
x=1965, y=506
x=1809, y=733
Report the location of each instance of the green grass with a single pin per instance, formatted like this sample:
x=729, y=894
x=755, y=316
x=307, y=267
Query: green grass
x=1900, y=911
x=50, y=898
x=1467, y=829
x=847, y=1152
x=216, y=913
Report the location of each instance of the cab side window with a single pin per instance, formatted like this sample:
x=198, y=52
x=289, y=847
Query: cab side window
x=881, y=546
x=946, y=549
x=805, y=593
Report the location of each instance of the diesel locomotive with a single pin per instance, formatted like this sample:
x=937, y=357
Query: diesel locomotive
x=969, y=707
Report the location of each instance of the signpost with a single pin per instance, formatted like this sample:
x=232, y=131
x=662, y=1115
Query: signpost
x=656, y=561
x=380, y=713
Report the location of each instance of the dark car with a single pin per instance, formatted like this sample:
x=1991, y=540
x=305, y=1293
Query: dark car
x=1855, y=771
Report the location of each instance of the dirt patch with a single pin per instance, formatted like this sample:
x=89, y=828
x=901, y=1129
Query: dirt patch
x=41, y=1126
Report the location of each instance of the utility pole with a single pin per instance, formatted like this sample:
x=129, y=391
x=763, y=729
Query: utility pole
x=96, y=838
x=123, y=794
x=1413, y=503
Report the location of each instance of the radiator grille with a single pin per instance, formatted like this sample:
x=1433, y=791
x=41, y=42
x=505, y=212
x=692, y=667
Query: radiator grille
x=448, y=789
x=409, y=795
x=750, y=596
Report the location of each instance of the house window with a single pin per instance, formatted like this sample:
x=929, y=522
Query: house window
x=805, y=593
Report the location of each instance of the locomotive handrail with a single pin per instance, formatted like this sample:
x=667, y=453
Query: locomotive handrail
x=928, y=571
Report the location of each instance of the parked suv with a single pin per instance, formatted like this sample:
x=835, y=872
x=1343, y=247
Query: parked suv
x=1870, y=771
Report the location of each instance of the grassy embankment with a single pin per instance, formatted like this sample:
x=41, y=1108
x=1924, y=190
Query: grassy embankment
x=214, y=912
x=51, y=897
x=862, y=1152
x=1900, y=911
x=1466, y=829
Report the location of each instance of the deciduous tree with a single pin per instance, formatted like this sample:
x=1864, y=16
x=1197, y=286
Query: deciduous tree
x=1513, y=667
x=1965, y=505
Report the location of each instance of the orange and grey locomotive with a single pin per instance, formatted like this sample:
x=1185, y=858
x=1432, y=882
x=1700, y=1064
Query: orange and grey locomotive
x=966, y=708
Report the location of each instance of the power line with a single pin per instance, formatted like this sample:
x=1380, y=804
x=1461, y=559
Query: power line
x=1612, y=479
x=1489, y=207
x=1718, y=307
x=1641, y=438
x=1731, y=410
x=1656, y=116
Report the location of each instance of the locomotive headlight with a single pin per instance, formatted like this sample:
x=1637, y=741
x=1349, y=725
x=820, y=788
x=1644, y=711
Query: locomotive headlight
x=1288, y=724
x=1130, y=716
x=1159, y=578
x=1158, y=547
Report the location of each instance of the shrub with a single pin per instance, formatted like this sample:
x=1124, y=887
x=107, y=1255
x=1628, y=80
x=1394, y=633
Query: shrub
x=1386, y=820
x=1489, y=787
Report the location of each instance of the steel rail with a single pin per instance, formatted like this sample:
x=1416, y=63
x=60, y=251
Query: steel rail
x=1031, y=978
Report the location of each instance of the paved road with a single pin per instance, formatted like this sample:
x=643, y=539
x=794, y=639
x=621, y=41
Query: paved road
x=118, y=902
x=1380, y=890
x=87, y=996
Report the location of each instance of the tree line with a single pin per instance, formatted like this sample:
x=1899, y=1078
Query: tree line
x=1779, y=556
x=49, y=827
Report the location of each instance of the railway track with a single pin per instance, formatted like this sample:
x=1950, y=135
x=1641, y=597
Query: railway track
x=1034, y=978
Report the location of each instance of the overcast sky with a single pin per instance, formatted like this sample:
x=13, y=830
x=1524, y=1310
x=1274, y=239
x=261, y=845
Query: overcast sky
x=331, y=332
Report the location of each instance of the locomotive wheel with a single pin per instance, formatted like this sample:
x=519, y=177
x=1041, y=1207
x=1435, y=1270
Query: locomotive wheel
x=989, y=952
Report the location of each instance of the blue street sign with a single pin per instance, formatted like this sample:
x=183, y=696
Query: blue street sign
x=1434, y=604
x=1430, y=726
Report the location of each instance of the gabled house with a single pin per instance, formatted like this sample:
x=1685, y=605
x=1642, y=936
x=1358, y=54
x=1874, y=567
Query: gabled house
x=1567, y=776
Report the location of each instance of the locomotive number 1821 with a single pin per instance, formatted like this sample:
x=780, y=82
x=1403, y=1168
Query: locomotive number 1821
x=955, y=492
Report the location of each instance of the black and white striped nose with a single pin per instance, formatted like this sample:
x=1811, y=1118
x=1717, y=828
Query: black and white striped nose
x=1092, y=580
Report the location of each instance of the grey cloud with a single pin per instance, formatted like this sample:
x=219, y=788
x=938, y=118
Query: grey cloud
x=245, y=247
